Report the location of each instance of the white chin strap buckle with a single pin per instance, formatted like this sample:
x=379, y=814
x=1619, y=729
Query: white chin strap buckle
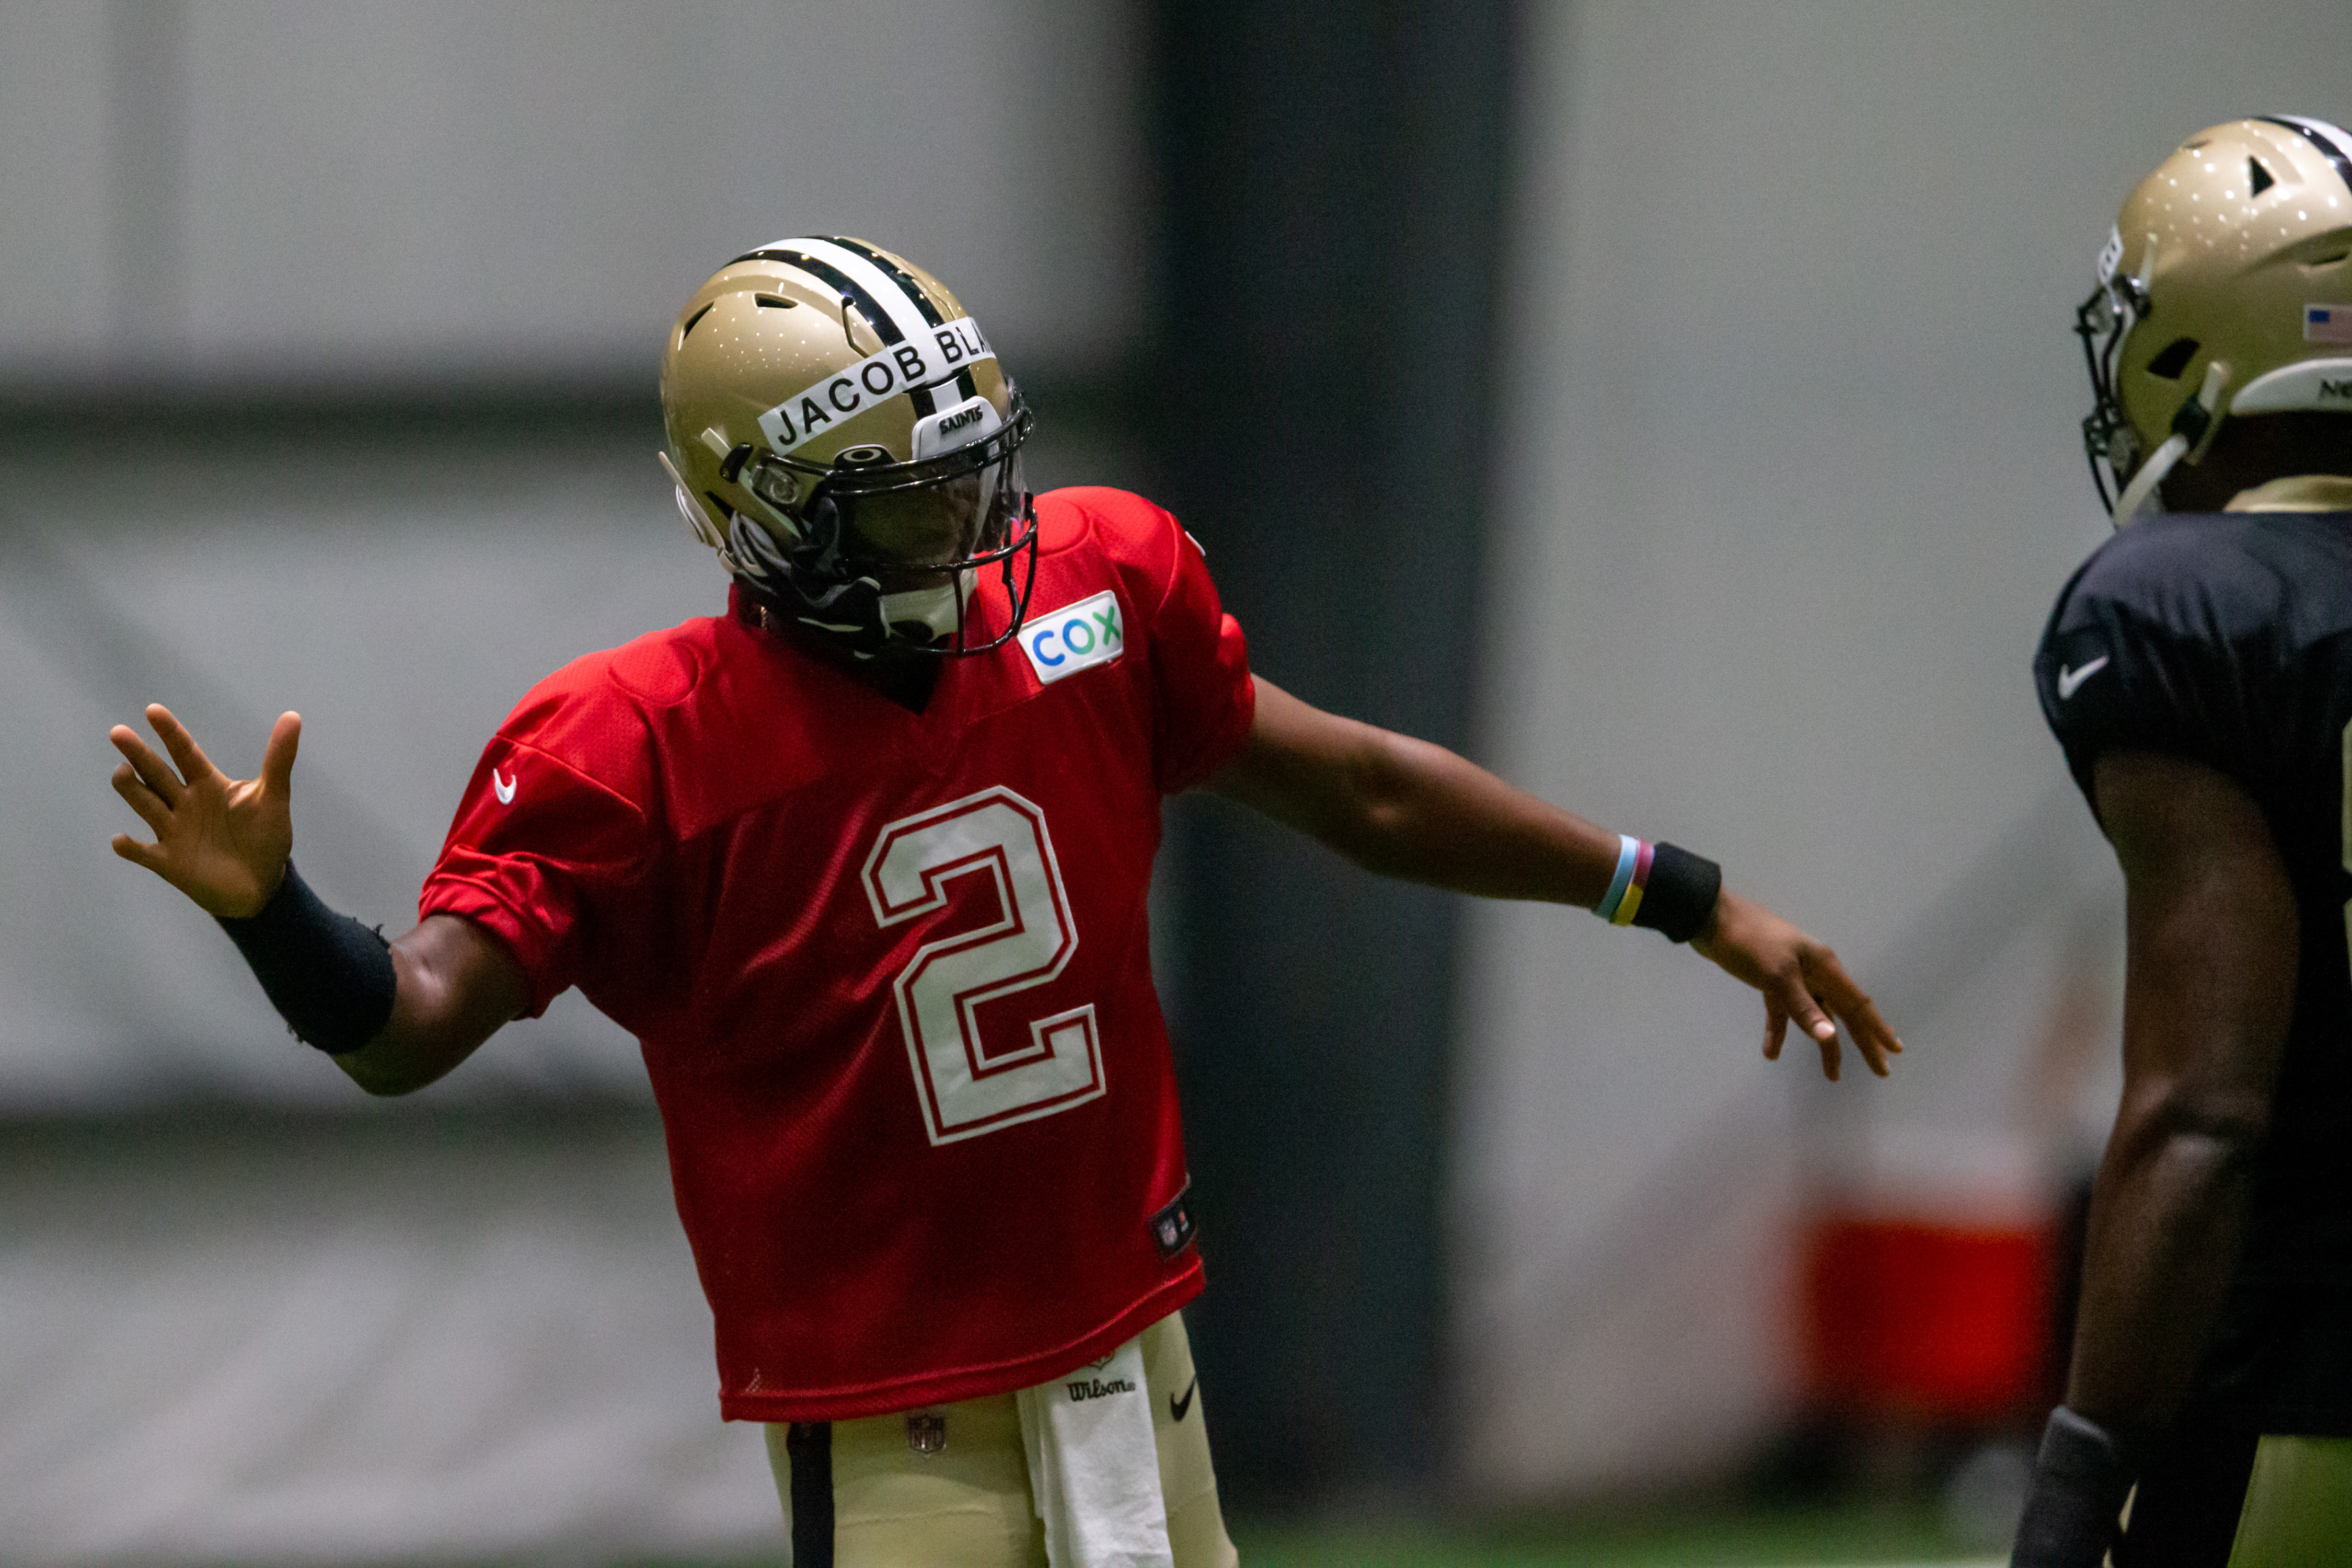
x=2164, y=459
x=938, y=608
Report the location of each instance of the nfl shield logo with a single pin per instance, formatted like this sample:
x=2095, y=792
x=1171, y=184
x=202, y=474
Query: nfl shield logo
x=927, y=1431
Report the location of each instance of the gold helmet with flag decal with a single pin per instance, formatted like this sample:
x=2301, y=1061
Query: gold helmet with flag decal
x=2225, y=289
x=842, y=435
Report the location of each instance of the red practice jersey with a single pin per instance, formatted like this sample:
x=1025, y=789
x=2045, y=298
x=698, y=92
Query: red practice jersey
x=889, y=970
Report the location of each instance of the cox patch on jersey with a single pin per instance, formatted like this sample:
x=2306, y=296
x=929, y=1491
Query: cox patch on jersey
x=1074, y=638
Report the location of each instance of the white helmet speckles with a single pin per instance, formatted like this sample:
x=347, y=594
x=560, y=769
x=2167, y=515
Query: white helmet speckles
x=2220, y=289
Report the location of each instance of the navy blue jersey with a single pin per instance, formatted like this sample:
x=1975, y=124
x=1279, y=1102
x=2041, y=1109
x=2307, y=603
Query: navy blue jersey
x=2228, y=639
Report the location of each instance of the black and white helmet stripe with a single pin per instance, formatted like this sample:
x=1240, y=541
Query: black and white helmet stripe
x=904, y=281
x=900, y=298
x=883, y=291
x=2331, y=140
x=888, y=305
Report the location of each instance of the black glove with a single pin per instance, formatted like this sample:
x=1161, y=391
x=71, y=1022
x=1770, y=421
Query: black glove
x=2080, y=1478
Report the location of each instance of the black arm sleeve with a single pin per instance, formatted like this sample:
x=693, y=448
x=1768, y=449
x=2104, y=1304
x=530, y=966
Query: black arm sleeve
x=330, y=977
x=1682, y=892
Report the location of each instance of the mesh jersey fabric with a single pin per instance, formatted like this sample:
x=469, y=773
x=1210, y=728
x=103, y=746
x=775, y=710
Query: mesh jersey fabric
x=2228, y=638
x=889, y=970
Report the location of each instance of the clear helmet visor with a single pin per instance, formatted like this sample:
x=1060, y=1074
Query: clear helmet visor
x=928, y=546
x=952, y=523
x=924, y=530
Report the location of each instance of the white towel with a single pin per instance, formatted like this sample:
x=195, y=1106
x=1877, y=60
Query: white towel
x=1093, y=1465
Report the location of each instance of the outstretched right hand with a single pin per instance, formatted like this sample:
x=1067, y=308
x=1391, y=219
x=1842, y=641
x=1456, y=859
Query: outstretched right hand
x=222, y=841
x=1803, y=981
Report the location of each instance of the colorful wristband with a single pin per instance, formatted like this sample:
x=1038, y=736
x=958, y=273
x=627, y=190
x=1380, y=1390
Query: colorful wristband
x=1663, y=887
x=1624, y=899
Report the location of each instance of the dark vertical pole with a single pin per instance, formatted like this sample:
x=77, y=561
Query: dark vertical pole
x=1334, y=182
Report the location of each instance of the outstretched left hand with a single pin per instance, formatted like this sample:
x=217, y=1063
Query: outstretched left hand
x=1800, y=979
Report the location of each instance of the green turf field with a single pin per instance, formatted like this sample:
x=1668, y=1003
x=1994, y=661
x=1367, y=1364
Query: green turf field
x=1709, y=1538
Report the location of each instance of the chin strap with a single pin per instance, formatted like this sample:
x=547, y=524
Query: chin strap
x=2151, y=474
x=938, y=610
x=2189, y=426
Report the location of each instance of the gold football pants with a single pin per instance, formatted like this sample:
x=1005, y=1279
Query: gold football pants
x=2298, y=1511
x=947, y=1486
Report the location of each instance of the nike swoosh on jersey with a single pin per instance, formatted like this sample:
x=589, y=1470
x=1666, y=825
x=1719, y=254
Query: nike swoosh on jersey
x=504, y=788
x=1179, y=1408
x=2069, y=681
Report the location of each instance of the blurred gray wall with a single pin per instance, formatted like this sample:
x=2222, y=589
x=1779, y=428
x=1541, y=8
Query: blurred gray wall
x=1791, y=478
x=436, y=188
x=442, y=1340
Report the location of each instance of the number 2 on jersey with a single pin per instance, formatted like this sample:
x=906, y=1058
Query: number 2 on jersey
x=966, y=1087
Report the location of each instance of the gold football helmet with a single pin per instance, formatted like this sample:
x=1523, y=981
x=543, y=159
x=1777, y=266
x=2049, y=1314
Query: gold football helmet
x=2224, y=289
x=842, y=435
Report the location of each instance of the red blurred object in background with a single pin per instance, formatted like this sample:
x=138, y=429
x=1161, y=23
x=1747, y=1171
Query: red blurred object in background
x=1927, y=1320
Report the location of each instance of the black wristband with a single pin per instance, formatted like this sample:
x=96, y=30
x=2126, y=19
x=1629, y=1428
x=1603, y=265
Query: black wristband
x=2080, y=1478
x=330, y=977
x=1681, y=893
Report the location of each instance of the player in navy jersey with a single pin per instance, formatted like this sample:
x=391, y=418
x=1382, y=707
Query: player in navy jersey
x=863, y=864
x=2197, y=672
